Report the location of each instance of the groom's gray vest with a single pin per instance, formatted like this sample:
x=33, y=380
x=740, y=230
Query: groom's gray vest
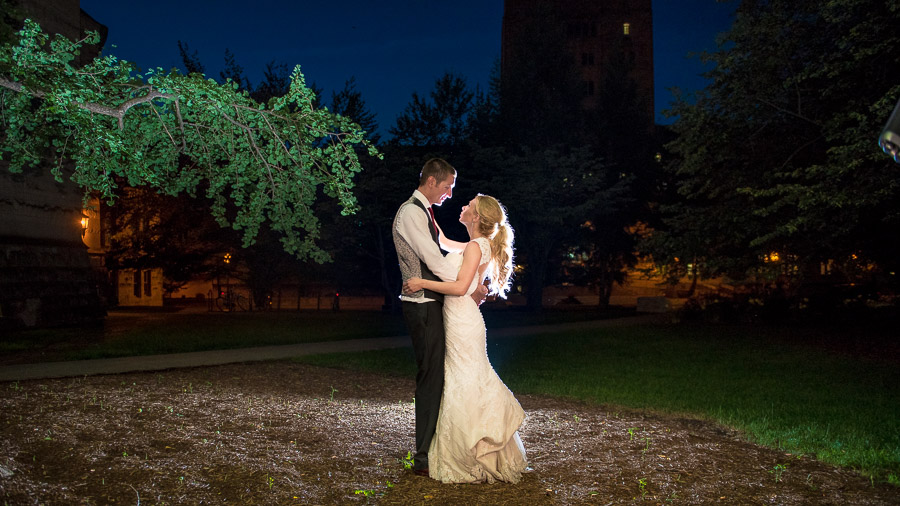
x=411, y=266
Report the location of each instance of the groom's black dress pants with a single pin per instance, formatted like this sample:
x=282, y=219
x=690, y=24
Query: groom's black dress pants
x=425, y=322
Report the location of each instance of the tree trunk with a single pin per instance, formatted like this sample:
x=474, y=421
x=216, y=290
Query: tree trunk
x=534, y=285
x=696, y=274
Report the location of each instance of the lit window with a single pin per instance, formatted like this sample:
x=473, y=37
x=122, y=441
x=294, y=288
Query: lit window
x=626, y=29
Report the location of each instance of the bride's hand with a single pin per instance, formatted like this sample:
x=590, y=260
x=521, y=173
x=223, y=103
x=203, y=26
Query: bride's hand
x=413, y=285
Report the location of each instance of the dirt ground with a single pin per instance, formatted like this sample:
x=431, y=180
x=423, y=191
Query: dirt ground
x=286, y=433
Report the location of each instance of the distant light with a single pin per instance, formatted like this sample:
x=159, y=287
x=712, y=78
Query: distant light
x=626, y=29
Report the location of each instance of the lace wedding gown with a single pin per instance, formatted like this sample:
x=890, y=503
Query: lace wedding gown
x=476, y=438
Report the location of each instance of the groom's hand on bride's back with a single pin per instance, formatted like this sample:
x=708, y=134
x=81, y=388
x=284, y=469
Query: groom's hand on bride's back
x=479, y=294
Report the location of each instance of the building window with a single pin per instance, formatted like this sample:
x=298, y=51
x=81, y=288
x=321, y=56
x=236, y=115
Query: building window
x=587, y=58
x=147, y=285
x=581, y=30
x=626, y=29
x=136, y=282
x=589, y=88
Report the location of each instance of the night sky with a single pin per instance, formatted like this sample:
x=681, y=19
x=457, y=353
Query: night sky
x=393, y=48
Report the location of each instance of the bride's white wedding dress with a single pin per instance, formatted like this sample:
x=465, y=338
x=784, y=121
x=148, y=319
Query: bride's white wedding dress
x=476, y=438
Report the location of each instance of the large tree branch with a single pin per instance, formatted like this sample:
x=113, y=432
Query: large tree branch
x=115, y=112
x=786, y=111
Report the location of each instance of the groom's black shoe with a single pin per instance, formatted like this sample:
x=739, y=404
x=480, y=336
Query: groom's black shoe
x=421, y=472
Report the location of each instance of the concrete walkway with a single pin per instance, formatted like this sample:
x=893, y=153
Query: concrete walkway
x=218, y=357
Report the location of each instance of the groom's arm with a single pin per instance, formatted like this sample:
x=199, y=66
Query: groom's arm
x=413, y=227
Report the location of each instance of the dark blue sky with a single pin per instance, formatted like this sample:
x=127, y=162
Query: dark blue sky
x=392, y=47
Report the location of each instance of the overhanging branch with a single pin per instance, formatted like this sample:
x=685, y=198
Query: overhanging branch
x=114, y=112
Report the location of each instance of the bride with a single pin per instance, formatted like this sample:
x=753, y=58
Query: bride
x=477, y=437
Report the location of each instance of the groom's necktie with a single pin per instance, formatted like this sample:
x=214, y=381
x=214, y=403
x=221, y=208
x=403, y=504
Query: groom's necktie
x=433, y=223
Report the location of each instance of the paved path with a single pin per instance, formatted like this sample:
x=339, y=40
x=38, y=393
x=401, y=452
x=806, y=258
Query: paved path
x=218, y=357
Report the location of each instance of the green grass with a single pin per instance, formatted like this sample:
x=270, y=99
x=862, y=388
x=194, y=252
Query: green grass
x=159, y=331
x=794, y=397
x=125, y=334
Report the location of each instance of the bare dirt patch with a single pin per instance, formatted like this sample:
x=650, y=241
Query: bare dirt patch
x=286, y=433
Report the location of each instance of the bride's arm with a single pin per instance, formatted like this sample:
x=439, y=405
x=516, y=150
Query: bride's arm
x=471, y=258
x=450, y=244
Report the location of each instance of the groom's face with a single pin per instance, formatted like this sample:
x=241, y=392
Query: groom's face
x=442, y=191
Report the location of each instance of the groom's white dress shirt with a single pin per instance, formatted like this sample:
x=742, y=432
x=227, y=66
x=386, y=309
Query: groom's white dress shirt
x=414, y=230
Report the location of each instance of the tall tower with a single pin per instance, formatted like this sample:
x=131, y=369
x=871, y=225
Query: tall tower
x=597, y=33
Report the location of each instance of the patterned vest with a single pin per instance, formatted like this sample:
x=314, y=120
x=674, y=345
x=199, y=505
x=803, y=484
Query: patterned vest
x=411, y=266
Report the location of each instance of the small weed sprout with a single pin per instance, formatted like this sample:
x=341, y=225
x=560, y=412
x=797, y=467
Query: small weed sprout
x=809, y=482
x=408, y=461
x=777, y=471
x=333, y=390
x=631, y=433
x=642, y=485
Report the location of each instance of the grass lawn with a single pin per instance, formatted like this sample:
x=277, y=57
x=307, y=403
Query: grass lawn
x=804, y=391
x=158, y=331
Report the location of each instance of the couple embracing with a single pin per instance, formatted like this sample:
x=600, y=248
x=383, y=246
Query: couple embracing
x=467, y=420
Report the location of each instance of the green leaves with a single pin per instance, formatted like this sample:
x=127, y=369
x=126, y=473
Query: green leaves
x=259, y=163
x=779, y=152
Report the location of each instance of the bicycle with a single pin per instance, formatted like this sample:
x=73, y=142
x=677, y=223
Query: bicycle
x=229, y=301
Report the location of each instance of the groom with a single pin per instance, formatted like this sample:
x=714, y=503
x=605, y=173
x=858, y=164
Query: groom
x=418, y=238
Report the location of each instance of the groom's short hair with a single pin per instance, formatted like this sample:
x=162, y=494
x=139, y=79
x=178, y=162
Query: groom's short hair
x=437, y=167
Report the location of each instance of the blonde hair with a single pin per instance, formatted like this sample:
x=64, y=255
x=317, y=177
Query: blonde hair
x=493, y=224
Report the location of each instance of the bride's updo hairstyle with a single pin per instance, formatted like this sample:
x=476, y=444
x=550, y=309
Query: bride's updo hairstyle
x=492, y=223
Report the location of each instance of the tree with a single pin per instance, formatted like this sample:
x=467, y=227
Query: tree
x=483, y=126
x=440, y=121
x=349, y=103
x=176, y=234
x=778, y=153
x=549, y=194
x=191, y=61
x=259, y=163
x=276, y=83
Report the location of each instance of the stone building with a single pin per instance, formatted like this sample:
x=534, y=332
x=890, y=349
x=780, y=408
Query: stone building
x=46, y=274
x=596, y=31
